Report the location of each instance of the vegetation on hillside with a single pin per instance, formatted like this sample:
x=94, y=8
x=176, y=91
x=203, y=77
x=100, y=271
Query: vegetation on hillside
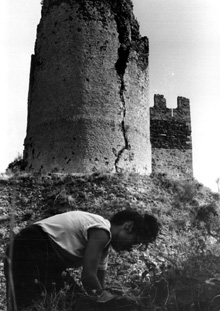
x=181, y=271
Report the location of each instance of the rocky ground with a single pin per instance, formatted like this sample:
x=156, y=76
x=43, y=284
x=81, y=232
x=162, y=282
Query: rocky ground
x=181, y=271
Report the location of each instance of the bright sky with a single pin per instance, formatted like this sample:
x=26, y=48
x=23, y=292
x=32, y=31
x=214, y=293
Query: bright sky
x=184, y=40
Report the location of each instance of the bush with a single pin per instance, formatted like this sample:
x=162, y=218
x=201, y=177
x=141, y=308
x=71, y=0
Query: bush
x=18, y=165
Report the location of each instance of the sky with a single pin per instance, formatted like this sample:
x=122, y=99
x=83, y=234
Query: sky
x=184, y=38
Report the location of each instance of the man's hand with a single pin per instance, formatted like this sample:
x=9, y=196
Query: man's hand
x=106, y=296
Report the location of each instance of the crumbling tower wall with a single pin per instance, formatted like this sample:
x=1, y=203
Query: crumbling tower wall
x=171, y=140
x=88, y=106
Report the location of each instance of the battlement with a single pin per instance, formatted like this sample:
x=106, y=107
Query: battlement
x=160, y=111
x=183, y=103
x=160, y=102
x=170, y=128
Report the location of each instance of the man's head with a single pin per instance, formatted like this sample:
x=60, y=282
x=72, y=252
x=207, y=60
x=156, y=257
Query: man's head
x=129, y=228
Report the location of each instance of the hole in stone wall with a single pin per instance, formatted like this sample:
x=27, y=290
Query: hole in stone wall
x=103, y=48
x=121, y=63
x=114, y=151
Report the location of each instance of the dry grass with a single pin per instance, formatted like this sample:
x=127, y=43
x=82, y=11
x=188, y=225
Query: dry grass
x=179, y=272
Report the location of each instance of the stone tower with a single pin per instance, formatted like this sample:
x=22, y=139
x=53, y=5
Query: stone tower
x=88, y=106
x=171, y=142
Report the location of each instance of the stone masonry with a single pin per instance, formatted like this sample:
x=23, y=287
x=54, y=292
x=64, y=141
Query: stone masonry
x=171, y=143
x=88, y=106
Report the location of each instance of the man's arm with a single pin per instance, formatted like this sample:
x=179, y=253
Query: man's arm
x=97, y=240
x=101, y=277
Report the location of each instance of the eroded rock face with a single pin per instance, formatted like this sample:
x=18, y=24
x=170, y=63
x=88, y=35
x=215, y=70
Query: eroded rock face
x=88, y=106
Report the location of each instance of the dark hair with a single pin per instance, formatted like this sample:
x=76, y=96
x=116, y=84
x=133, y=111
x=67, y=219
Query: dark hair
x=146, y=226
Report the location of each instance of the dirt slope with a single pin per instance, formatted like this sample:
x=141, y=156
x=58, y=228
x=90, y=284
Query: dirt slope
x=181, y=271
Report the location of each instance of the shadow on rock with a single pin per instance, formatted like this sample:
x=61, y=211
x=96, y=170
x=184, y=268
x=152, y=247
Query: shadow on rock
x=86, y=303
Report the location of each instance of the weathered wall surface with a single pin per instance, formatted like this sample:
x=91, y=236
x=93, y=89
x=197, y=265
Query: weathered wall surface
x=88, y=106
x=171, y=137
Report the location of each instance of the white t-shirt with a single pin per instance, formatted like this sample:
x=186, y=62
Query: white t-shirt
x=69, y=234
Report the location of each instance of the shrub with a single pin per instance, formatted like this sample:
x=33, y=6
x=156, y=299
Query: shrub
x=18, y=165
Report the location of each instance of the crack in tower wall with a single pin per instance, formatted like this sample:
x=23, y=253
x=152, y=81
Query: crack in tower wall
x=128, y=34
x=124, y=132
x=120, y=66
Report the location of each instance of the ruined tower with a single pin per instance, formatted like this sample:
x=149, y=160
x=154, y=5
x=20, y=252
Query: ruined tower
x=171, y=142
x=88, y=106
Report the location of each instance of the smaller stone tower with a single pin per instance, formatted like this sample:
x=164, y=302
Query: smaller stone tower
x=170, y=134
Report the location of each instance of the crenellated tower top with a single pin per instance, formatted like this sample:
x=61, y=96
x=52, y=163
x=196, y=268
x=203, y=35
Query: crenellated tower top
x=170, y=128
x=160, y=111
